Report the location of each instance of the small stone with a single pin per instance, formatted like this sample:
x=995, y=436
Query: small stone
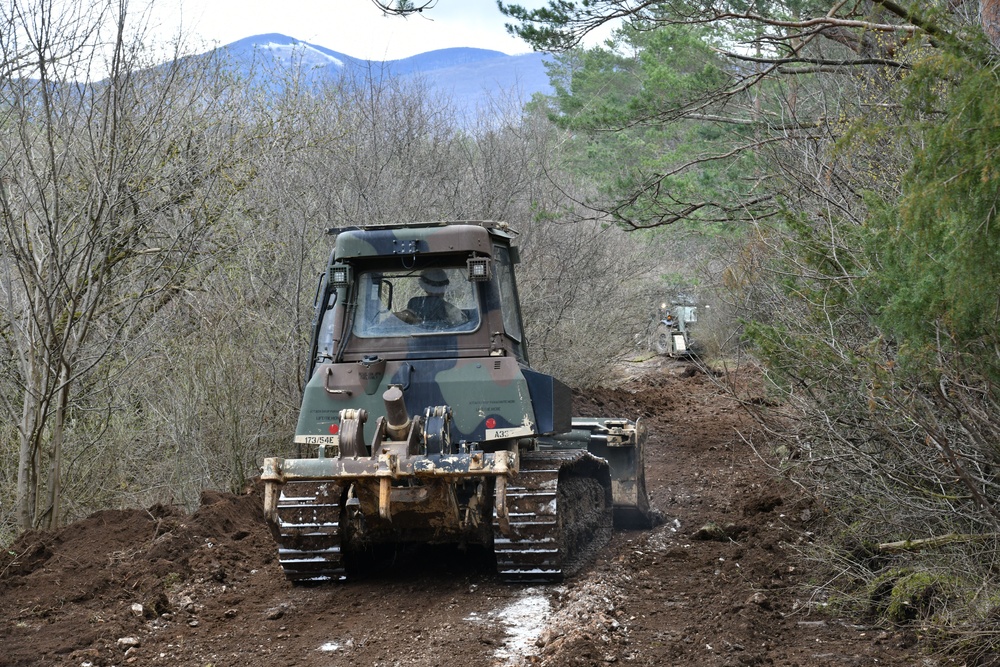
x=710, y=531
x=274, y=613
x=193, y=623
x=230, y=613
x=128, y=642
x=137, y=609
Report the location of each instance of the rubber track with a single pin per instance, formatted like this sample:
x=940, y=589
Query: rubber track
x=309, y=543
x=534, y=550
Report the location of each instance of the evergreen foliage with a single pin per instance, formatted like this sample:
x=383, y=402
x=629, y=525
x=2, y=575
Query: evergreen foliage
x=868, y=282
x=623, y=106
x=941, y=260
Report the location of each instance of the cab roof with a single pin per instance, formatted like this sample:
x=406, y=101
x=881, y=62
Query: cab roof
x=466, y=236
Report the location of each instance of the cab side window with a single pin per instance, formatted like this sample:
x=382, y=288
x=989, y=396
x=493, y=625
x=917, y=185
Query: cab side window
x=508, y=299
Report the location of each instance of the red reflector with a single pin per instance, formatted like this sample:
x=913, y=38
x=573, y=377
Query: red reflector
x=491, y=423
x=334, y=429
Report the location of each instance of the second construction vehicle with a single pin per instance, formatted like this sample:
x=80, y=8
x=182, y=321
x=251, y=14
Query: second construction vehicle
x=423, y=422
x=672, y=336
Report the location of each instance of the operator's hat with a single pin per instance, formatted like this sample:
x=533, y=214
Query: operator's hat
x=434, y=281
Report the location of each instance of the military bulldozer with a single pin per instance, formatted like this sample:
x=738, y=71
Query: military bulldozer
x=422, y=421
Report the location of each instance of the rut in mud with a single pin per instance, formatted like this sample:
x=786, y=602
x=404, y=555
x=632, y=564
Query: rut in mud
x=720, y=582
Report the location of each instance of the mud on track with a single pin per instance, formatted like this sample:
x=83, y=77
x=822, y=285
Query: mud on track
x=158, y=586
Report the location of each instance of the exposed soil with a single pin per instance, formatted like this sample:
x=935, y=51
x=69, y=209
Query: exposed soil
x=720, y=582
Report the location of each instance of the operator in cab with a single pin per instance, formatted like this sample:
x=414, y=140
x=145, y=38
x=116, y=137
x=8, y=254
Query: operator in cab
x=432, y=308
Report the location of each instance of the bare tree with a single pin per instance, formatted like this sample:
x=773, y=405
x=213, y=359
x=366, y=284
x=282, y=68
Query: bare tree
x=107, y=188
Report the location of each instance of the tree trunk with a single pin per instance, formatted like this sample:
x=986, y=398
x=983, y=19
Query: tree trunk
x=989, y=16
x=55, y=455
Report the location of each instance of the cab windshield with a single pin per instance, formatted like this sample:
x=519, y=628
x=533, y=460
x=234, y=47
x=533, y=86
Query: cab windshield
x=405, y=303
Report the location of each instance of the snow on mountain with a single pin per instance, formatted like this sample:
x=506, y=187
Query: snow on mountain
x=307, y=53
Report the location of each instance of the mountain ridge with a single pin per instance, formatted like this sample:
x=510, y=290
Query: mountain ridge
x=468, y=74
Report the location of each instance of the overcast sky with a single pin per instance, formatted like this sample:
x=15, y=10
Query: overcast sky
x=353, y=27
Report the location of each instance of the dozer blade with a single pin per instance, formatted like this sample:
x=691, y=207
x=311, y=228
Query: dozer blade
x=622, y=443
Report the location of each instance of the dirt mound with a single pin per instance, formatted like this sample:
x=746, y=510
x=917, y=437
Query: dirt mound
x=719, y=583
x=75, y=592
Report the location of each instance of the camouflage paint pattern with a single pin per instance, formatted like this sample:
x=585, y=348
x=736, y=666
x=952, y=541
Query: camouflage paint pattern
x=479, y=374
x=477, y=390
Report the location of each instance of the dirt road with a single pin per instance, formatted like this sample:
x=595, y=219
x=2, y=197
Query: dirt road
x=718, y=583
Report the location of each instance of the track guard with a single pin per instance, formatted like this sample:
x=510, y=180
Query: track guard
x=557, y=514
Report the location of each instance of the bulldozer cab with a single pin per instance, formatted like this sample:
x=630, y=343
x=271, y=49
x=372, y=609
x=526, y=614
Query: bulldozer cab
x=433, y=311
x=446, y=292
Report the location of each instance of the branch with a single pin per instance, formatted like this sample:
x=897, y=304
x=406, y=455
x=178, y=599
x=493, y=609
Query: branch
x=932, y=542
x=805, y=125
x=815, y=61
x=912, y=17
x=562, y=25
x=404, y=7
x=822, y=21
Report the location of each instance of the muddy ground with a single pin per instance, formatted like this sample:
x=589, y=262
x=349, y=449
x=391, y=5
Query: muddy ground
x=159, y=587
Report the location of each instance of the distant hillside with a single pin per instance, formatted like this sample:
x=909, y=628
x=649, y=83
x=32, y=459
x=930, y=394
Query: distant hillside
x=469, y=75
